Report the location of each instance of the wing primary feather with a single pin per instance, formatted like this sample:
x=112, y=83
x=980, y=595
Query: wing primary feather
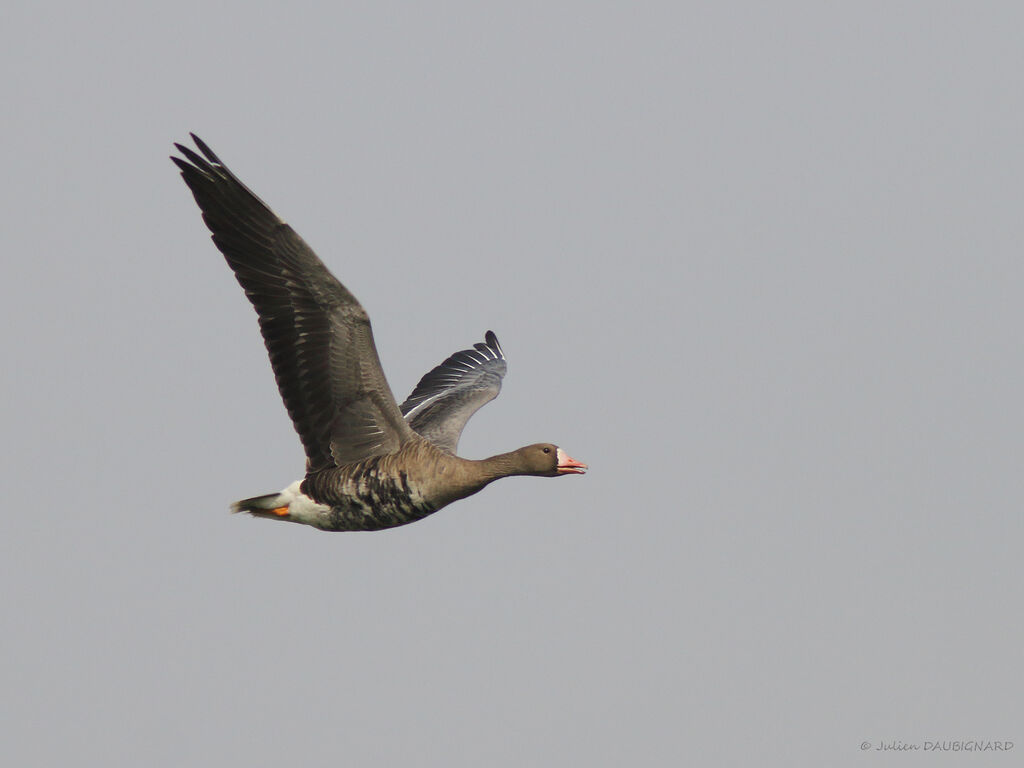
x=448, y=395
x=317, y=334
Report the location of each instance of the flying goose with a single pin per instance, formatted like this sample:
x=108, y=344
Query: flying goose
x=370, y=463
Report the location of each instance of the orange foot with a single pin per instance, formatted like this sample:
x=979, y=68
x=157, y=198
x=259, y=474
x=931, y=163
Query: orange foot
x=280, y=511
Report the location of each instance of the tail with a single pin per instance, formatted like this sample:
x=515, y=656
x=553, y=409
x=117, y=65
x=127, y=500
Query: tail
x=291, y=505
x=270, y=505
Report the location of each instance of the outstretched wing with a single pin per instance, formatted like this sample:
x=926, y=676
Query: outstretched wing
x=445, y=398
x=317, y=334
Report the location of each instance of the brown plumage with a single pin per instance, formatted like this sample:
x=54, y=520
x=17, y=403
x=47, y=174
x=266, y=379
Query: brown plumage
x=370, y=463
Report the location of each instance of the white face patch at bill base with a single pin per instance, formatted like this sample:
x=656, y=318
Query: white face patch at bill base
x=567, y=465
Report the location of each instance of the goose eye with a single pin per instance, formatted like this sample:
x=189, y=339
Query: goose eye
x=547, y=450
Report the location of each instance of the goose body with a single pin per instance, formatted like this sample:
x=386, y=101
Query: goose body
x=370, y=463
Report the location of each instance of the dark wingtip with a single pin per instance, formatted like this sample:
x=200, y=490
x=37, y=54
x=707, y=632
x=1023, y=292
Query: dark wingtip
x=492, y=342
x=193, y=158
x=177, y=160
x=203, y=163
x=205, y=150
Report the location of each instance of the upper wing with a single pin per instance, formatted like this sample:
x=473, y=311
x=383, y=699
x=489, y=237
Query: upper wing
x=318, y=336
x=445, y=398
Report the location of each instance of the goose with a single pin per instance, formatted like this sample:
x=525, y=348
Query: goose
x=370, y=463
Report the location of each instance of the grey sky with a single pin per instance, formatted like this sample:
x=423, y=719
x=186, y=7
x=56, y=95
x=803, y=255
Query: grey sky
x=759, y=266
